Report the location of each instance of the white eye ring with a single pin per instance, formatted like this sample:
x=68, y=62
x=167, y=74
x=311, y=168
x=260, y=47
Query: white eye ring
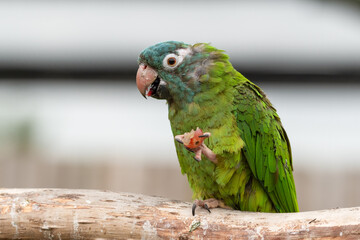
x=172, y=60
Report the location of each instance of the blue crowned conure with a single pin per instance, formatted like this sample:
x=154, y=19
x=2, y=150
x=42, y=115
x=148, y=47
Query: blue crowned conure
x=229, y=139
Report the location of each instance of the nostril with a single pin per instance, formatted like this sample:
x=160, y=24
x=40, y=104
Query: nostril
x=145, y=66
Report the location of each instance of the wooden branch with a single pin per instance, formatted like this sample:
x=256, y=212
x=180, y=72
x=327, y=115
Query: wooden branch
x=89, y=214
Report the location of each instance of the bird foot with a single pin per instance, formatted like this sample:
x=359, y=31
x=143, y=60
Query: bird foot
x=194, y=142
x=208, y=204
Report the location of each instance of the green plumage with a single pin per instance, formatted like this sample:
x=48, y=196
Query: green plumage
x=254, y=169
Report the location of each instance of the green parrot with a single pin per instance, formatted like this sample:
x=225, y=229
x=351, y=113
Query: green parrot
x=243, y=161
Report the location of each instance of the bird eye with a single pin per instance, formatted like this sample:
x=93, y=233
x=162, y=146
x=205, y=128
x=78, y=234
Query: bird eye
x=171, y=61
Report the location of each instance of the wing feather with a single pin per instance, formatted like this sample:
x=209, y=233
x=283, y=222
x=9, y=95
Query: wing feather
x=267, y=148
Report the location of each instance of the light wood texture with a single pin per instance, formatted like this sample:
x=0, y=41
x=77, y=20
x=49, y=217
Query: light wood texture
x=90, y=214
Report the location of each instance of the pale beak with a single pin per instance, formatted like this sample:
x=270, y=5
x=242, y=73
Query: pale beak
x=145, y=76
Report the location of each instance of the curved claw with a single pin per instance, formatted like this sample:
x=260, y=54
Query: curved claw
x=179, y=140
x=190, y=149
x=205, y=135
x=207, y=207
x=193, y=208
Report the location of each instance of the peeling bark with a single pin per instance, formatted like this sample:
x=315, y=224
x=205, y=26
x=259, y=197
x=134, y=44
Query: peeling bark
x=90, y=214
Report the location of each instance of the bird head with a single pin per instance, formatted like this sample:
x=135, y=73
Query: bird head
x=172, y=70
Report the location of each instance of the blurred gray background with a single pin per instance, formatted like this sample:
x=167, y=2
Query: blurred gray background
x=71, y=115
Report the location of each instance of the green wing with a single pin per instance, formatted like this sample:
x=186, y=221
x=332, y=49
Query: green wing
x=267, y=148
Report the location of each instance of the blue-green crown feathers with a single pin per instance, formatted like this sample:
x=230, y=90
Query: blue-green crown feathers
x=154, y=55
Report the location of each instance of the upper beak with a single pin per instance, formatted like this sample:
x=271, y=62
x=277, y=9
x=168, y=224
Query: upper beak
x=145, y=76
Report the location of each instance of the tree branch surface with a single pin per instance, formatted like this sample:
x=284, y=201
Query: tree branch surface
x=92, y=214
